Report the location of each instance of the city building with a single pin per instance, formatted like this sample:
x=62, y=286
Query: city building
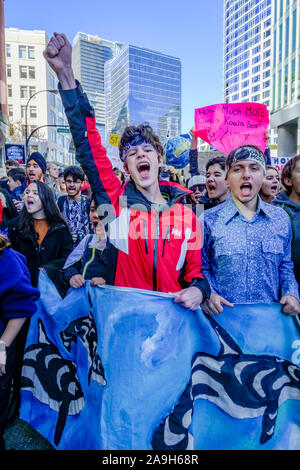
x=141, y=86
x=31, y=104
x=4, y=123
x=286, y=75
x=247, y=50
x=90, y=53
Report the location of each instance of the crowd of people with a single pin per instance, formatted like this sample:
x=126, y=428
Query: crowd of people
x=225, y=237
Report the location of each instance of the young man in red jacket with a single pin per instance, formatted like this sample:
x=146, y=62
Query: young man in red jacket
x=154, y=240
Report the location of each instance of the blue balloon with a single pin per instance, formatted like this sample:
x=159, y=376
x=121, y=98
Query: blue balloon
x=177, y=151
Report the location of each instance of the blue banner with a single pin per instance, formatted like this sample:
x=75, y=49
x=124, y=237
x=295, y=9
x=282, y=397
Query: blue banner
x=120, y=369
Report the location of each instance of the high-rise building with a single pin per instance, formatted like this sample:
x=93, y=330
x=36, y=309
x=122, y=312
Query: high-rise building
x=143, y=85
x=286, y=75
x=90, y=53
x=30, y=103
x=4, y=123
x=247, y=49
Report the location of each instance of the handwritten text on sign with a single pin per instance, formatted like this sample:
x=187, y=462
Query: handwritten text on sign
x=229, y=125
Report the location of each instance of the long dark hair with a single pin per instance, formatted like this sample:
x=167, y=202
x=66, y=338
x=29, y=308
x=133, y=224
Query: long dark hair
x=52, y=212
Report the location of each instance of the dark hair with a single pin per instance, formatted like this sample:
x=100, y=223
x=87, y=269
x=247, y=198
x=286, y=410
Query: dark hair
x=12, y=162
x=75, y=171
x=287, y=171
x=220, y=160
x=4, y=242
x=52, y=212
x=17, y=174
x=146, y=131
x=231, y=157
x=270, y=167
x=119, y=172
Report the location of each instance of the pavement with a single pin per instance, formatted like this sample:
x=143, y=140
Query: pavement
x=19, y=435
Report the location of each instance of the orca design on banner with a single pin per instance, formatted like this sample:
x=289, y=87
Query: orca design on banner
x=52, y=380
x=242, y=385
x=85, y=329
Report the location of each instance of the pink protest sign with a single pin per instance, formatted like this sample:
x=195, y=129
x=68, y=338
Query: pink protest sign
x=226, y=126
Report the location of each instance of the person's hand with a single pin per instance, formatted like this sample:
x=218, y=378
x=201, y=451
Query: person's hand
x=191, y=297
x=58, y=54
x=290, y=305
x=194, y=139
x=97, y=281
x=213, y=305
x=77, y=281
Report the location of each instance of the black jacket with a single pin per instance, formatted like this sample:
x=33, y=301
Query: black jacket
x=293, y=210
x=50, y=255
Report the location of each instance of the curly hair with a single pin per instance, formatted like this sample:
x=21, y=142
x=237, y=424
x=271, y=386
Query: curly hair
x=4, y=243
x=146, y=132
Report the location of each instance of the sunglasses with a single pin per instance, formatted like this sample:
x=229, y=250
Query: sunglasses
x=200, y=187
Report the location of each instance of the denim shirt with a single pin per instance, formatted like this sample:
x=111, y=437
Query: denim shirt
x=248, y=261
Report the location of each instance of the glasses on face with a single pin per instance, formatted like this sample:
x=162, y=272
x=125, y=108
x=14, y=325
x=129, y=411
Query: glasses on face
x=200, y=188
x=73, y=182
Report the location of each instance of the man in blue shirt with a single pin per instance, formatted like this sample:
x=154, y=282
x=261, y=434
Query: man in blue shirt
x=247, y=242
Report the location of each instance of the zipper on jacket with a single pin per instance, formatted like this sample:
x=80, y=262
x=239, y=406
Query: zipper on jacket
x=89, y=262
x=155, y=252
x=166, y=238
x=145, y=235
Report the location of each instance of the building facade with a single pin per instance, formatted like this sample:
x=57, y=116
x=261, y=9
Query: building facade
x=90, y=53
x=141, y=86
x=247, y=50
x=31, y=105
x=286, y=75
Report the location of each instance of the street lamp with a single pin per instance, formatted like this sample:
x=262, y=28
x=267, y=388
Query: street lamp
x=26, y=123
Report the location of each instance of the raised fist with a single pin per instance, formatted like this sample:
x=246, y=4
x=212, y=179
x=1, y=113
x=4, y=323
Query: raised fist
x=58, y=53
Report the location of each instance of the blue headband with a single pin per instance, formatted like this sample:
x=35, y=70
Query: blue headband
x=137, y=139
x=249, y=153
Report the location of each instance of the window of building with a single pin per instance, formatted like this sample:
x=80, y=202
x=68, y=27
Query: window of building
x=10, y=110
x=32, y=90
x=255, y=88
x=8, y=70
x=31, y=52
x=266, y=74
x=267, y=64
x=266, y=84
x=23, y=111
x=255, y=60
x=53, y=135
x=23, y=91
x=267, y=53
x=23, y=71
x=266, y=94
x=255, y=69
x=22, y=52
x=33, y=112
x=31, y=72
x=255, y=98
x=9, y=91
x=52, y=117
x=255, y=79
x=8, y=50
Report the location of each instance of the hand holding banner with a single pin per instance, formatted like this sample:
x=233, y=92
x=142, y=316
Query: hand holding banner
x=229, y=125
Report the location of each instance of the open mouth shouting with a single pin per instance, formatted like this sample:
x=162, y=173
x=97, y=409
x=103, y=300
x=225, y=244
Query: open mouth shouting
x=274, y=188
x=143, y=169
x=246, y=189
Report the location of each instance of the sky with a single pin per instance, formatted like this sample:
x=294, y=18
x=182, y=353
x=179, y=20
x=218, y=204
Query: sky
x=191, y=30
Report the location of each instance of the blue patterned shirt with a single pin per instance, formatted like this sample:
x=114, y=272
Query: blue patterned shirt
x=248, y=261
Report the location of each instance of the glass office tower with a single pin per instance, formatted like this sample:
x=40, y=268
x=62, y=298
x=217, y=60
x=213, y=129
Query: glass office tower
x=286, y=75
x=247, y=49
x=142, y=85
x=89, y=56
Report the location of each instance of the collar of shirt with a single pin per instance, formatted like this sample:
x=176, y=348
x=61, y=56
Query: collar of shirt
x=230, y=210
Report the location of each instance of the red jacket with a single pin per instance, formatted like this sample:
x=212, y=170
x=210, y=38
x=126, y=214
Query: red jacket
x=147, y=249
